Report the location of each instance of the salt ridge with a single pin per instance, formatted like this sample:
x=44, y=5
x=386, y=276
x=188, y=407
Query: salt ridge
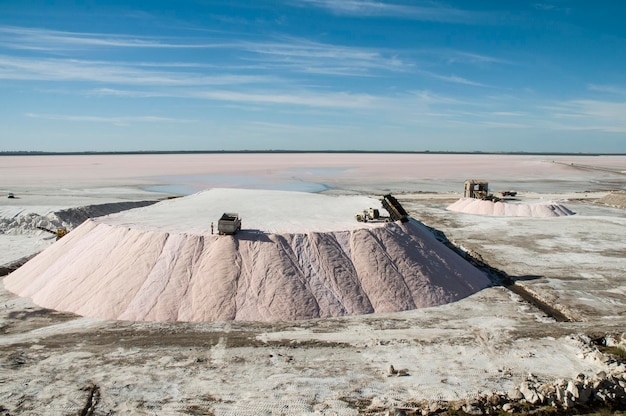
x=483, y=207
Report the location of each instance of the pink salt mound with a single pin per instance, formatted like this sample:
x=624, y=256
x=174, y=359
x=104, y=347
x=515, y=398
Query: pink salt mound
x=161, y=263
x=481, y=207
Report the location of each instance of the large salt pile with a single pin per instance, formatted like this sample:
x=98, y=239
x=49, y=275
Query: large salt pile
x=484, y=207
x=298, y=256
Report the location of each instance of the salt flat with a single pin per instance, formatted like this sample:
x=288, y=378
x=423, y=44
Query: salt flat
x=490, y=342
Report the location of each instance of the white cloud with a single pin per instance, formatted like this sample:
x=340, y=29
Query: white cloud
x=607, y=116
x=611, y=89
x=240, y=60
x=301, y=55
x=455, y=79
x=127, y=93
x=305, y=98
x=284, y=53
x=427, y=11
x=53, y=40
x=504, y=125
x=46, y=69
x=111, y=120
x=455, y=56
x=308, y=99
x=509, y=114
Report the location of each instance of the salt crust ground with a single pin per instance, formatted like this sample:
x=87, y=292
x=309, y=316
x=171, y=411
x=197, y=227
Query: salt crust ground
x=490, y=341
x=160, y=263
x=508, y=209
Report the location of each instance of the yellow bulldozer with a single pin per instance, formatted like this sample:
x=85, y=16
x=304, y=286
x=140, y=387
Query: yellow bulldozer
x=60, y=232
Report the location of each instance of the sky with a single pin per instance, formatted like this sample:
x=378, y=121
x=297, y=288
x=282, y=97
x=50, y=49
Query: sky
x=392, y=75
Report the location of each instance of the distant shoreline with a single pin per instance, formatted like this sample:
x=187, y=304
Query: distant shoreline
x=174, y=152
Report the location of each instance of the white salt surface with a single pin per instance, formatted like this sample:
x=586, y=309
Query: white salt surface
x=260, y=210
x=305, y=257
x=507, y=209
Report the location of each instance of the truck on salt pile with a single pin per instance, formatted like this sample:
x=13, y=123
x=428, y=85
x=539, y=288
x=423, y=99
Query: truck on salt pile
x=370, y=214
x=393, y=207
x=395, y=210
x=229, y=224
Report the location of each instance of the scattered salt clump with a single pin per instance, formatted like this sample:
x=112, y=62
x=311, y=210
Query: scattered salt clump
x=485, y=207
x=143, y=265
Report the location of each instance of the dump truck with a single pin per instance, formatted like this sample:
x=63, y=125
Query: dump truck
x=395, y=210
x=229, y=224
x=370, y=214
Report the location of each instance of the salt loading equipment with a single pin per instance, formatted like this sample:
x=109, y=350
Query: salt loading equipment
x=395, y=210
x=393, y=207
x=60, y=232
x=479, y=189
x=229, y=223
x=476, y=188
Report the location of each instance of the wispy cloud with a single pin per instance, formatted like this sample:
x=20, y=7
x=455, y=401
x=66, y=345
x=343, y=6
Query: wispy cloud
x=431, y=98
x=427, y=11
x=503, y=125
x=47, y=69
x=284, y=53
x=463, y=57
x=607, y=116
x=129, y=93
x=551, y=7
x=121, y=121
x=52, y=40
x=509, y=114
x=307, y=98
x=612, y=89
x=240, y=61
x=313, y=57
x=291, y=128
x=285, y=96
x=455, y=79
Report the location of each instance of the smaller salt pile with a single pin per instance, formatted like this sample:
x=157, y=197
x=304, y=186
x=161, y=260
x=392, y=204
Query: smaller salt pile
x=615, y=199
x=505, y=209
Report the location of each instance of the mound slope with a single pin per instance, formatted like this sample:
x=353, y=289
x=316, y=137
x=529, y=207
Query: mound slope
x=138, y=266
x=614, y=199
x=482, y=207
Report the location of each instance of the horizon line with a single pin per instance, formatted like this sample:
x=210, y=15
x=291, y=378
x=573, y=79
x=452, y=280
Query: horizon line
x=287, y=151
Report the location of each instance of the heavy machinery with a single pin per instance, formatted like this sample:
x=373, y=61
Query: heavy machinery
x=229, y=224
x=395, y=210
x=393, y=207
x=479, y=189
x=476, y=188
x=60, y=232
x=370, y=214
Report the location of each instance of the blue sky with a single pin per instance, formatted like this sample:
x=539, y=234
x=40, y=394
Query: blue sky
x=535, y=76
